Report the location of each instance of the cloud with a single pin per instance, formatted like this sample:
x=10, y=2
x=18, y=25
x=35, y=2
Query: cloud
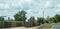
x=29, y=1
x=10, y=7
x=58, y=5
x=58, y=10
x=29, y=10
x=48, y=3
x=4, y=6
x=32, y=7
x=17, y=3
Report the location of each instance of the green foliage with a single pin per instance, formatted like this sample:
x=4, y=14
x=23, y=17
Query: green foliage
x=20, y=16
x=32, y=21
x=57, y=17
x=53, y=19
x=1, y=18
x=48, y=19
x=32, y=18
x=40, y=20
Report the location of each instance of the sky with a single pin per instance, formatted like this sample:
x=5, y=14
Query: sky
x=33, y=7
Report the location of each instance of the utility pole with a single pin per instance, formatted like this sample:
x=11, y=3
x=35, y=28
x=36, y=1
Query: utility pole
x=43, y=13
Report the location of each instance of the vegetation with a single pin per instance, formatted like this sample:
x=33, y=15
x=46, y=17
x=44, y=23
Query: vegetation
x=20, y=16
x=40, y=20
x=54, y=19
x=1, y=18
x=32, y=21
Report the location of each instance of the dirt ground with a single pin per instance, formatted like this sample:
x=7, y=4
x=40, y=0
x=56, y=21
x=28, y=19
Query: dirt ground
x=22, y=28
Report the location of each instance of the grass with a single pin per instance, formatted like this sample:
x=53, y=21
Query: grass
x=49, y=25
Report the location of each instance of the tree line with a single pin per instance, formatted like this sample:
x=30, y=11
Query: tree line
x=21, y=16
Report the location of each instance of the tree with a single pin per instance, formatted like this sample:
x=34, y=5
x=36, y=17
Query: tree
x=40, y=20
x=1, y=18
x=57, y=18
x=50, y=19
x=32, y=21
x=20, y=16
x=53, y=19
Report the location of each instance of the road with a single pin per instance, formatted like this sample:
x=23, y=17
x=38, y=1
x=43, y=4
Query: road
x=56, y=26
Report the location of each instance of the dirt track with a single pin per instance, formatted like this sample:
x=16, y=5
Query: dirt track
x=22, y=28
